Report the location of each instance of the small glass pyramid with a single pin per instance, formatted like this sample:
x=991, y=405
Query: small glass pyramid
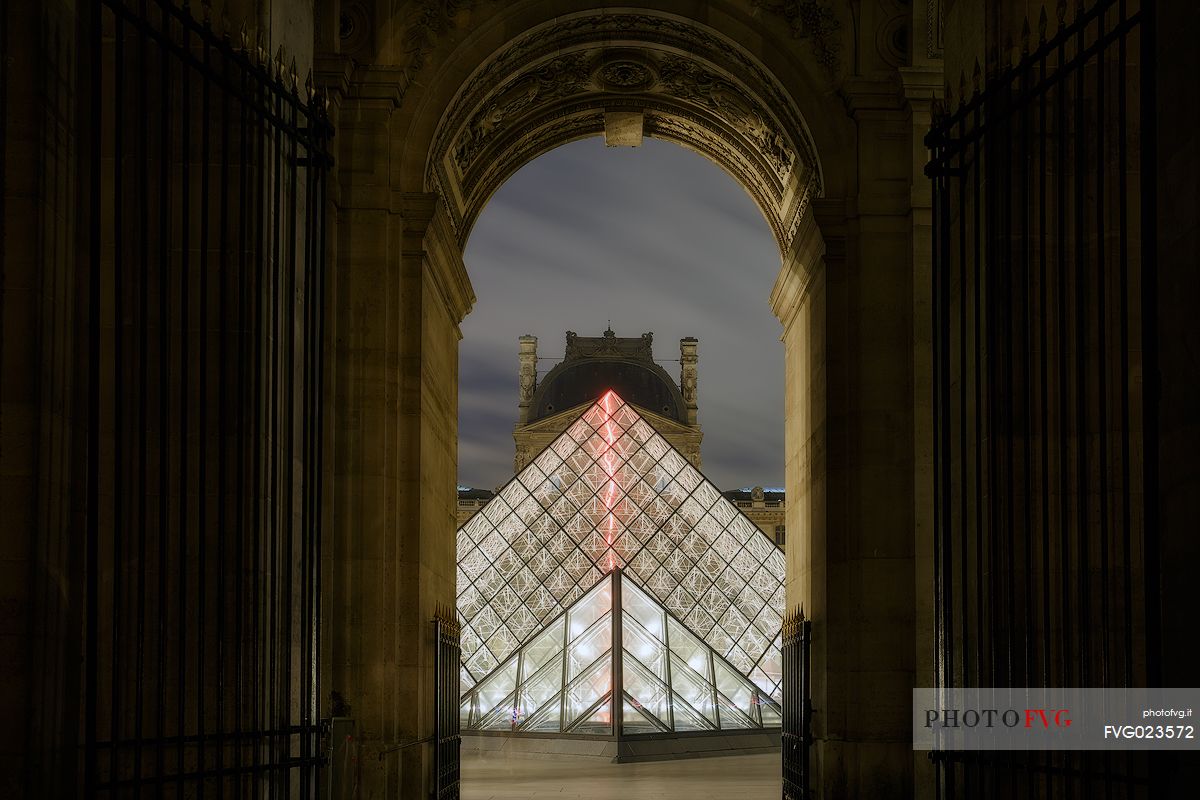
x=611, y=493
x=561, y=681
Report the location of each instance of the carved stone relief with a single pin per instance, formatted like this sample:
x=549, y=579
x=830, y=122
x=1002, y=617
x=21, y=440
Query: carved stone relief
x=812, y=20
x=599, y=29
x=552, y=85
x=689, y=81
x=678, y=77
x=558, y=78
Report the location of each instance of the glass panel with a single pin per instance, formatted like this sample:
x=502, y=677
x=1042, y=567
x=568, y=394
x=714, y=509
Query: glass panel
x=464, y=712
x=735, y=691
x=598, y=722
x=646, y=689
x=692, y=687
x=647, y=649
x=589, y=687
x=732, y=716
x=771, y=717
x=547, y=719
x=593, y=605
x=497, y=686
x=634, y=721
x=501, y=718
x=541, y=687
x=687, y=718
x=635, y=603
x=583, y=651
x=688, y=648
x=545, y=647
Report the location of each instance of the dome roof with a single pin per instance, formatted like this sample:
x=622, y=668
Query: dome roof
x=593, y=365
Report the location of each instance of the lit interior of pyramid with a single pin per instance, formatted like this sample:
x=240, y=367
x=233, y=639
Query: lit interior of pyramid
x=704, y=588
x=561, y=681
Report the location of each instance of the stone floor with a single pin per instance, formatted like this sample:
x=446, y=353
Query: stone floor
x=509, y=778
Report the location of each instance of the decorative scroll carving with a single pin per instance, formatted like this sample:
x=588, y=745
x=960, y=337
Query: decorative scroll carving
x=689, y=81
x=561, y=77
x=811, y=20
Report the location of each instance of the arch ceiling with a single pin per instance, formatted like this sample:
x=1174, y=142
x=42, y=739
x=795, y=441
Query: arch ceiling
x=555, y=83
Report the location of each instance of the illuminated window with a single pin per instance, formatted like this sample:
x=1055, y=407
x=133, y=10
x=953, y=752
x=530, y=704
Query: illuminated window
x=611, y=493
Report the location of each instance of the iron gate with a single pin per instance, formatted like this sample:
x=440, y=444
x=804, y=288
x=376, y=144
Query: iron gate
x=207, y=181
x=1043, y=304
x=447, y=743
x=797, y=706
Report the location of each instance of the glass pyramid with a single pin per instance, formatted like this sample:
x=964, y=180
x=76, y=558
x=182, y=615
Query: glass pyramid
x=561, y=681
x=611, y=493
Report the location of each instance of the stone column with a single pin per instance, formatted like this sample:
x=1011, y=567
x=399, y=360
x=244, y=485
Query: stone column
x=687, y=376
x=527, y=377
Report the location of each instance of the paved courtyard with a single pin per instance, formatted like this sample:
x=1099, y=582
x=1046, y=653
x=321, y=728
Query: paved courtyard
x=493, y=777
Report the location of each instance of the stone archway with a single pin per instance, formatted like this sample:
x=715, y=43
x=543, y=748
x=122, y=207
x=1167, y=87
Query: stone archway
x=625, y=75
x=446, y=100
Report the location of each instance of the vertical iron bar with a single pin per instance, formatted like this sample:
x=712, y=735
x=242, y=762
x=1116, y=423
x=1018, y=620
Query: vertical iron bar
x=275, y=449
x=91, y=687
x=185, y=222
x=962, y=405
x=258, y=443
x=117, y=674
x=223, y=328
x=143, y=182
x=1123, y=324
x=1081, y=349
x=164, y=395
x=202, y=410
x=1044, y=386
x=242, y=505
x=1023, y=163
x=1148, y=224
x=1063, y=344
x=290, y=449
x=1102, y=356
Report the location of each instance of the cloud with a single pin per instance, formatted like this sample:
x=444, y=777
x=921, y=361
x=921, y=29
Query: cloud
x=655, y=238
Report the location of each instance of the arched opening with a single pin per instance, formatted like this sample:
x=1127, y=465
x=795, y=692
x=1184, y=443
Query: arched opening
x=650, y=239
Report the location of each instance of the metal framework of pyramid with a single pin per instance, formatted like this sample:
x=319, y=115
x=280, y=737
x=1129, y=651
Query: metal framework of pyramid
x=612, y=495
x=561, y=681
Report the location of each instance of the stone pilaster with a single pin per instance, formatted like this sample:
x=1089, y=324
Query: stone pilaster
x=527, y=377
x=687, y=376
x=401, y=292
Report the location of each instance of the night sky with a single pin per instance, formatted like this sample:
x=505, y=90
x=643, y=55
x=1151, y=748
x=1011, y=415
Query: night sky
x=655, y=238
